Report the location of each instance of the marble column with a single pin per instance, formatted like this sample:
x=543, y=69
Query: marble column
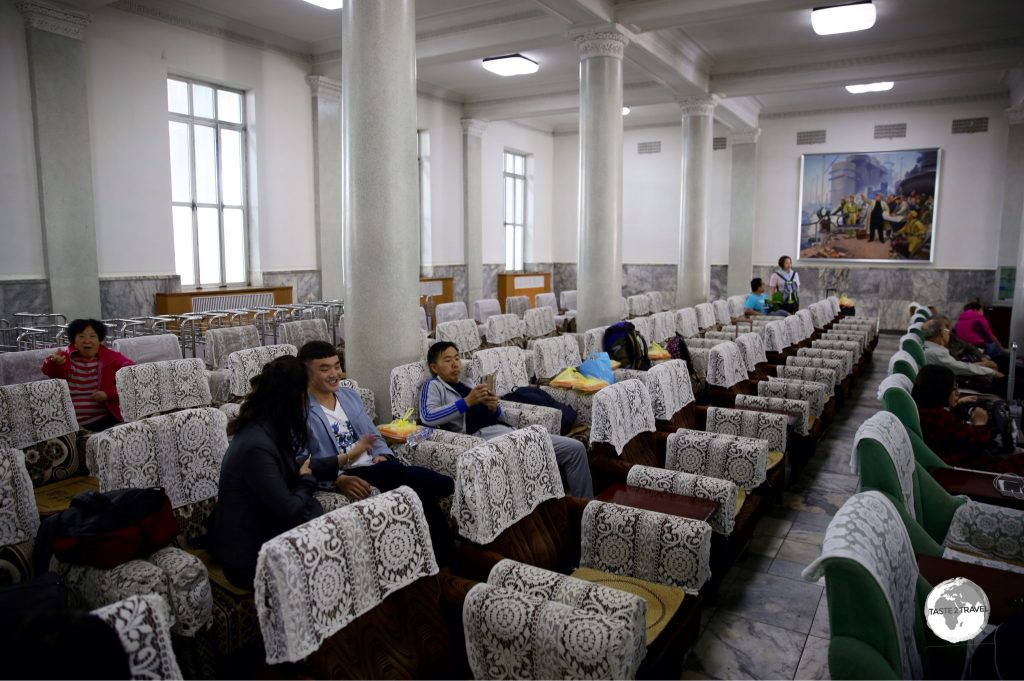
x=327, y=182
x=694, y=269
x=380, y=196
x=60, y=118
x=1013, y=215
x=741, y=214
x=473, y=207
x=599, y=281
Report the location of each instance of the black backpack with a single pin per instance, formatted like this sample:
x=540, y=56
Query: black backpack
x=627, y=347
x=531, y=395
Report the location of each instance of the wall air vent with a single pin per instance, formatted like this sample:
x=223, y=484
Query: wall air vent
x=648, y=147
x=888, y=131
x=810, y=137
x=967, y=125
x=718, y=143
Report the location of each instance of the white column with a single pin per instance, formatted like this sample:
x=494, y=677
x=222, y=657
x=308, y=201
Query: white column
x=327, y=181
x=693, y=270
x=599, y=281
x=741, y=215
x=380, y=191
x=473, y=207
x=1013, y=214
x=60, y=117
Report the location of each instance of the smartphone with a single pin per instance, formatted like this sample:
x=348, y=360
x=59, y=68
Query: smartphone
x=1011, y=487
x=488, y=381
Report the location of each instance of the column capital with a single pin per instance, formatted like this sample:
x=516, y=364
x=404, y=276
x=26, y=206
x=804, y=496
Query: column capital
x=324, y=87
x=473, y=126
x=606, y=41
x=1015, y=115
x=703, y=105
x=744, y=136
x=54, y=18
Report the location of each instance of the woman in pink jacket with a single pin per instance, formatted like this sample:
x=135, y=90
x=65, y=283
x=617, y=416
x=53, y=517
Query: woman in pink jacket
x=973, y=328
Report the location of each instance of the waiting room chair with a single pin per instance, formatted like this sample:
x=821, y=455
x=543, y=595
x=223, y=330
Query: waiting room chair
x=144, y=349
x=686, y=322
x=484, y=308
x=904, y=363
x=220, y=343
x=465, y=333
x=23, y=366
x=638, y=305
x=450, y=312
x=723, y=315
x=540, y=323
x=142, y=623
x=300, y=332
x=503, y=329
x=706, y=319
x=517, y=305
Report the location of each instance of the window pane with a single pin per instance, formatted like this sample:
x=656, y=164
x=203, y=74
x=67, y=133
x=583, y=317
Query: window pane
x=183, y=261
x=520, y=201
x=234, y=245
x=231, y=167
x=206, y=164
x=519, y=247
x=510, y=247
x=229, y=106
x=177, y=96
x=209, y=246
x=202, y=101
x=181, y=188
x=510, y=166
x=510, y=199
x=520, y=165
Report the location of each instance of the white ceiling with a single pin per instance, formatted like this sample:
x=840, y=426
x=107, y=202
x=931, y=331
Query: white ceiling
x=760, y=55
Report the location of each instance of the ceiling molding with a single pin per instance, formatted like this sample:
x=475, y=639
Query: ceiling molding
x=52, y=18
x=661, y=14
x=966, y=99
x=482, y=23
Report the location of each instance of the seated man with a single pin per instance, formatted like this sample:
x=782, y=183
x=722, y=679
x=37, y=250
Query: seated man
x=936, y=351
x=447, y=403
x=340, y=427
x=756, y=304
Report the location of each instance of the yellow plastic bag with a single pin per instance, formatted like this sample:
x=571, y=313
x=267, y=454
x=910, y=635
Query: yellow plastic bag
x=655, y=351
x=400, y=428
x=589, y=384
x=568, y=378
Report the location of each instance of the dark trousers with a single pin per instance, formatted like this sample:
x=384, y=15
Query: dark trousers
x=877, y=227
x=430, y=486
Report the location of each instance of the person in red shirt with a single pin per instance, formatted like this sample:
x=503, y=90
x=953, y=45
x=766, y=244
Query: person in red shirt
x=89, y=368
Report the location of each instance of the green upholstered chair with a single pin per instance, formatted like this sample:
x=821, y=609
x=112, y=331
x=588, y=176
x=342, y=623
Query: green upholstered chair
x=899, y=402
x=912, y=344
x=917, y=328
x=903, y=362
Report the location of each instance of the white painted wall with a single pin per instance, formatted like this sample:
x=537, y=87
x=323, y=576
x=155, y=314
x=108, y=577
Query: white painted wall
x=970, y=193
x=565, y=192
x=443, y=120
x=21, y=253
x=720, y=206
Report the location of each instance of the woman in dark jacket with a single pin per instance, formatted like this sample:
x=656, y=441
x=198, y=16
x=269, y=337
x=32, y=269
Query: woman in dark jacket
x=263, y=490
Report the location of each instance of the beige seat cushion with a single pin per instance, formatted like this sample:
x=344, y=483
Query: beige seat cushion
x=56, y=496
x=741, y=496
x=662, y=600
x=773, y=459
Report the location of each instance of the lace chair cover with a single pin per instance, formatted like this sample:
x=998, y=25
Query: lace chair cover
x=868, y=325
x=868, y=530
x=501, y=329
x=902, y=356
x=517, y=305
x=724, y=334
x=895, y=381
x=834, y=304
x=861, y=339
x=405, y=383
x=539, y=321
x=800, y=408
x=669, y=386
x=888, y=431
x=688, y=484
x=741, y=460
x=300, y=332
x=315, y=579
x=593, y=341
x=19, y=518
x=143, y=625
x=664, y=326
x=755, y=424
x=726, y=367
x=463, y=332
x=844, y=357
x=507, y=364
x=621, y=412
x=147, y=389
x=35, y=412
x=795, y=328
x=568, y=300
x=644, y=327
x=820, y=316
x=812, y=393
x=638, y=305
x=180, y=452
x=516, y=635
x=707, y=342
x=994, y=531
x=752, y=349
x=705, y=316
x=656, y=300
x=365, y=394
x=849, y=346
x=803, y=362
x=450, y=312
x=826, y=377
x=807, y=321
x=484, y=309
x=220, y=343
x=735, y=305
x=660, y=548
x=245, y=365
x=551, y=355
x=23, y=366
x=776, y=337
x=546, y=300
x=502, y=481
x=686, y=322
x=700, y=357
x=144, y=349
x=722, y=313
x=911, y=337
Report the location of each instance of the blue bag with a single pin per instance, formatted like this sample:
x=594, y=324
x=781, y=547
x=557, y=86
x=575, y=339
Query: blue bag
x=598, y=365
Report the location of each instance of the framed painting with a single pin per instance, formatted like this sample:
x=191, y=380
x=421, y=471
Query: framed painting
x=869, y=206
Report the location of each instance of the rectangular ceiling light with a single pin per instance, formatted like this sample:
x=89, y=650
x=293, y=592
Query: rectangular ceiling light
x=869, y=87
x=327, y=4
x=510, y=65
x=857, y=16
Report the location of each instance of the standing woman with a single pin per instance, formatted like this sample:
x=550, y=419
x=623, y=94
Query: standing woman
x=784, y=286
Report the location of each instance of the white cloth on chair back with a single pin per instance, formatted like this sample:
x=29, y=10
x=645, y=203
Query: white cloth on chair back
x=741, y=460
x=593, y=340
x=300, y=332
x=902, y=356
x=705, y=315
x=143, y=624
x=669, y=386
x=23, y=366
x=736, y=305
x=487, y=307
x=752, y=348
x=508, y=364
x=768, y=427
x=686, y=322
x=551, y=355
x=503, y=328
x=245, y=365
x=638, y=305
x=726, y=367
x=19, y=517
x=220, y=343
x=807, y=321
x=898, y=381
x=154, y=387
x=540, y=321
x=621, y=412
x=517, y=305
x=143, y=349
x=664, y=326
x=35, y=412
x=546, y=300
x=568, y=300
x=450, y=312
x=314, y=580
x=691, y=485
x=405, y=383
x=463, y=332
x=888, y=431
x=644, y=327
x=776, y=337
x=722, y=314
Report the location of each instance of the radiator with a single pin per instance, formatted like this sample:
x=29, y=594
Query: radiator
x=232, y=302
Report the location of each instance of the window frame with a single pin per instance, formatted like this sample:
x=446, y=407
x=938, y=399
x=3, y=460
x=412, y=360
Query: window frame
x=518, y=255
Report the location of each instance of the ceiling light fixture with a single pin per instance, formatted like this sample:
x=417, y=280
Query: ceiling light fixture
x=510, y=65
x=327, y=4
x=869, y=87
x=857, y=16
x=625, y=111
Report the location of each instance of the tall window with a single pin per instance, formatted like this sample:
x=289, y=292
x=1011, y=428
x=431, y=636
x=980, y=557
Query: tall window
x=515, y=209
x=208, y=208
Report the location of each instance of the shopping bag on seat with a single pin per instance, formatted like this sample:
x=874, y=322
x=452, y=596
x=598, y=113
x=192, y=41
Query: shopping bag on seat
x=598, y=365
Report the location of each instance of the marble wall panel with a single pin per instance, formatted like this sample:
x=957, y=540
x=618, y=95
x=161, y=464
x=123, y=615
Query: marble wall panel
x=126, y=297
x=927, y=285
x=640, y=278
x=305, y=283
x=460, y=283
x=719, y=281
x=31, y=295
x=491, y=272
x=563, y=277
x=967, y=285
x=895, y=284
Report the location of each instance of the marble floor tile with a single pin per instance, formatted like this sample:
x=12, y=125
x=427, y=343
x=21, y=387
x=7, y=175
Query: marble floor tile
x=772, y=527
x=828, y=481
x=815, y=501
x=820, y=627
x=802, y=519
x=765, y=546
x=791, y=570
x=798, y=552
x=734, y=647
x=754, y=562
x=814, y=660
x=806, y=536
x=771, y=599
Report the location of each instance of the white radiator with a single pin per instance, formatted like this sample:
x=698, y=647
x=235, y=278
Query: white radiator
x=232, y=302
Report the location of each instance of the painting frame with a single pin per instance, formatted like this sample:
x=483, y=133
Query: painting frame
x=833, y=228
